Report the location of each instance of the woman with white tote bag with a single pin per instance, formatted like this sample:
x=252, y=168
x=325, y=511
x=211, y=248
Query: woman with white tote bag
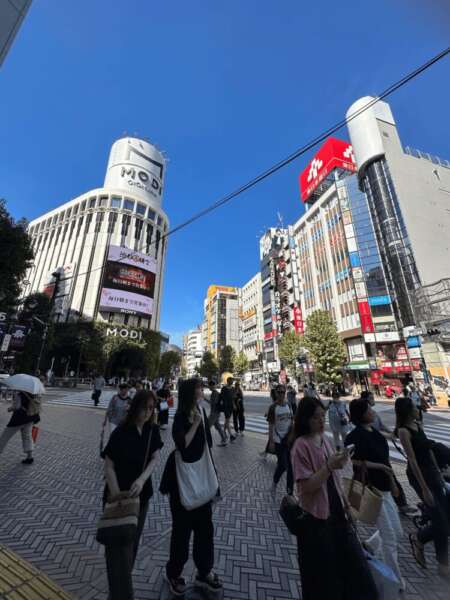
x=190, y=480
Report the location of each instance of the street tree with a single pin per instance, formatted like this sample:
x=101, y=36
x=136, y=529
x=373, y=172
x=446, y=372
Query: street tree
x=226, y=359
x=240, y=364
x=289, y=350
x=170, y=362
x=208, y=367
x=326, y=349
x=34, y=316
x=15, y=257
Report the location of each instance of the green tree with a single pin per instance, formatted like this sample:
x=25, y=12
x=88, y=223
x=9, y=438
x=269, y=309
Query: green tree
x=37, y=306
x=170, y=361
x=208, y=367
x=326, y=349
x=289, y=349
x=240, y=364
x=226, y=359
x=15, y=257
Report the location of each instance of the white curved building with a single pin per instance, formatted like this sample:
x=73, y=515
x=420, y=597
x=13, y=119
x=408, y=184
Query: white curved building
x=108, y=244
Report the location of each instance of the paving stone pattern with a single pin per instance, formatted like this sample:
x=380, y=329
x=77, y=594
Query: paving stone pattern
x=49, y=513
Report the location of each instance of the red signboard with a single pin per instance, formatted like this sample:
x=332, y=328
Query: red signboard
x=365, y=316
x=298, y=320
x=333, y=154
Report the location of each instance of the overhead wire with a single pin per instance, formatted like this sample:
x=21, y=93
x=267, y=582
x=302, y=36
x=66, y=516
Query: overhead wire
x=291, y=157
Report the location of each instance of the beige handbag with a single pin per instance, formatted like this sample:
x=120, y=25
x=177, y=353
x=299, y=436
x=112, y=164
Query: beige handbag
x=365, y=500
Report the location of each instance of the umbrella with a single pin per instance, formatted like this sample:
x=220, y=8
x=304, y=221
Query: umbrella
x=25, y=383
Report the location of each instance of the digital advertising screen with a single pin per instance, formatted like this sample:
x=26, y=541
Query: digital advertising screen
x=128, y=282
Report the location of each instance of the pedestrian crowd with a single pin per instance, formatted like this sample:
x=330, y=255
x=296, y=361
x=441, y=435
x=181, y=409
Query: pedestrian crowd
x=321, y=506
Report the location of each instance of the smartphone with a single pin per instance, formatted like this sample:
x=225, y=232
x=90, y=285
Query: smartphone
x=350, y=449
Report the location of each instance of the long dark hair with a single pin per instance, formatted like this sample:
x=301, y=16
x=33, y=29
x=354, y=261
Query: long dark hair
x=186, y=396
x=305, y=411
x=403, y=408
x=137, y=405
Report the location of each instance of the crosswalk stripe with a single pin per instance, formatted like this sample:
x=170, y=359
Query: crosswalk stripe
x=256, y=424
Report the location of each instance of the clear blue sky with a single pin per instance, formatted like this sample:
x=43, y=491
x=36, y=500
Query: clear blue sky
x=226, y=89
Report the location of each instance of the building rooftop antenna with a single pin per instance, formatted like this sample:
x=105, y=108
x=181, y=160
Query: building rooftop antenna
x=280, y=220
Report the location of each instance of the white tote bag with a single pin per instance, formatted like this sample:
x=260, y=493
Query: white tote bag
x=197, y=481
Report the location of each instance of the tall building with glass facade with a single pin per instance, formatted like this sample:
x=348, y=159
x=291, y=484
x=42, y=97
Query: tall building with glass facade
x=408, y=195
x=12, y=15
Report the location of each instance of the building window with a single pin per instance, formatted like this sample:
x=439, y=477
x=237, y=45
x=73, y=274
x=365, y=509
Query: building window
x=92, y=202
x=103, y=201
x=160, y=221
x=116, y=201
x=83, y=206
x=68, y=213
x=128, y=204
x=126, y=219
x=88, y=222
x=75, y=210
x=99, y=221
x=112, y=220
x=137, y=232
x=140, y=209
x=148, y=241
x=158, y=239
x=151, y=214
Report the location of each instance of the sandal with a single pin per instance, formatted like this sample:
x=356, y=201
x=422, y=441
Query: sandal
x=417, y=550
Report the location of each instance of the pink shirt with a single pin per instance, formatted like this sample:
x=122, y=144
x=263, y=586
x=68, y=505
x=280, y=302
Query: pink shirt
x=307, y=459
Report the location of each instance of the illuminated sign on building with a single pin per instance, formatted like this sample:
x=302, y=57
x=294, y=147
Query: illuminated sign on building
x=333, y=154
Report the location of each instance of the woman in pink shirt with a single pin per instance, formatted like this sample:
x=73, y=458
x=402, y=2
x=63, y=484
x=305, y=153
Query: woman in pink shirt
x=332, y=564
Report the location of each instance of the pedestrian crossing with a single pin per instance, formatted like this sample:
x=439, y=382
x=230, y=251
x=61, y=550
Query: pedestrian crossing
x=438, y=431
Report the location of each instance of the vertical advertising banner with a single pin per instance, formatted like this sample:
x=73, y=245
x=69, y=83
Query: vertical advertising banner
x=128, y=282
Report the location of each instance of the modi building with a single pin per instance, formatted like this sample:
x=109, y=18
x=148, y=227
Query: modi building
x=105, y=250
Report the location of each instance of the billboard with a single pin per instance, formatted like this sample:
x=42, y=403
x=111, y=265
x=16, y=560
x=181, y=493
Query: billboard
x=272, y=242
x=333, y=154
x=128, y=282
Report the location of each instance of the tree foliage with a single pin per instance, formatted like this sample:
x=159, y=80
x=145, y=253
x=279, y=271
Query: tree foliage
x=208, y=367
x=240, y=364
x=226, y=359
x=170, y=361
x=327, y=350
x=15, y=257
x=36, y=305
x=289, y=349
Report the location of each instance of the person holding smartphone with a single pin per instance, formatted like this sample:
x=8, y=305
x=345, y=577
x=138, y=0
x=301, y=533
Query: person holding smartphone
x=371, y=458
x=332, y=563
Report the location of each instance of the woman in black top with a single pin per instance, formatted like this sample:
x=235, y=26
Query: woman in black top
x=190, y=433
x=426, y=479
x=371, y=457
x=238, y=409
x=25, y=413
x=136, y=439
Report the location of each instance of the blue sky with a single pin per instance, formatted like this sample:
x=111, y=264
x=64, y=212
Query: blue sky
x=226, y=89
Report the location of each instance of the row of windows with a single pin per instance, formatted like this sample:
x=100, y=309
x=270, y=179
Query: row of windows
x=115, y=202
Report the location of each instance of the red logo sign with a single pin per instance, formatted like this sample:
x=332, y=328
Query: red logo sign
x=333, y=154
x=365, y=316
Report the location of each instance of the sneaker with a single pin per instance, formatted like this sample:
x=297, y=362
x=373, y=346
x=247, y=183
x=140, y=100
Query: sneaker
x=407, y=510
x=177, y=586
x=211, y=582
x=224, y=443
x=28, y=461
x=232, y=438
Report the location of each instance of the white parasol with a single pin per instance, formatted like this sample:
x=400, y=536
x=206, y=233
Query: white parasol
x=25, y=383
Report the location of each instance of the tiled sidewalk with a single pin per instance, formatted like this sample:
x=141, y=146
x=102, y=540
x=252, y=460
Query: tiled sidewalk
x=49, y=512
